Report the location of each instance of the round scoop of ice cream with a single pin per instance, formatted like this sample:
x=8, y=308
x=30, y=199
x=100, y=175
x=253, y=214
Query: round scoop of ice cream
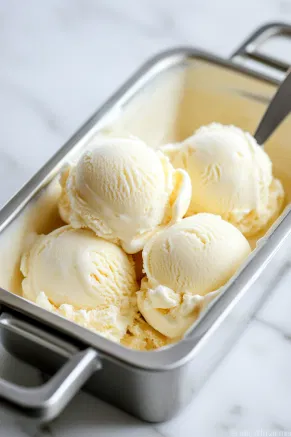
x=231, y=176
x=185, y=267
x=124, y=191
x=85, y=278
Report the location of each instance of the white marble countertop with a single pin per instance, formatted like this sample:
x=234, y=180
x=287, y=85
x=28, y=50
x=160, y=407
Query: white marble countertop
x=59, y=61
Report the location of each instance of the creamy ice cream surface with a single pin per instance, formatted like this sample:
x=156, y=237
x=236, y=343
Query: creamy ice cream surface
x=142, y=336
x=89, y=280
x=124, y=191
x=185, y=267
x=122, y=198
x=231, y=176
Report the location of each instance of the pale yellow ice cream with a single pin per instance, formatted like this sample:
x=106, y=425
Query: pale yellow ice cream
x=231, y=176
x=141, y=336
x=185, y=267
x=124, y=191
x=87, y=279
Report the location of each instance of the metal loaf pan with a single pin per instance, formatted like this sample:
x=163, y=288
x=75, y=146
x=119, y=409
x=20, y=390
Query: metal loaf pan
x=169, y=97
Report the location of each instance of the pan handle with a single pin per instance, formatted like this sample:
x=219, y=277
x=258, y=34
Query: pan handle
x=44, y=403
x=249, y=50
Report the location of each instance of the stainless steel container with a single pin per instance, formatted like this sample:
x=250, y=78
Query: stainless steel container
x=187, y=88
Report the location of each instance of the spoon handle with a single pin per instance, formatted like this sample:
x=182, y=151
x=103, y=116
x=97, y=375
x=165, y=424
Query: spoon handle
x=277, y=110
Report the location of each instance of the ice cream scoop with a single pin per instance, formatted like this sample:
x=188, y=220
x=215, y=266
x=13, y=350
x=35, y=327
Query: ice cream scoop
x=124, y=191
x=83, y=277
x=185, y=266
x=231, y=176
x=276, y=112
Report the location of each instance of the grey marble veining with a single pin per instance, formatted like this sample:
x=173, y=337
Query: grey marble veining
x=59, y=61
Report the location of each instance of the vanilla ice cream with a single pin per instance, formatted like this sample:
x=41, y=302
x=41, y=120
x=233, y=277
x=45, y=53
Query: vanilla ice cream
x=185, y=267
x=231, y=176
x=141, y=336
x=124, y=191
x=89, y=280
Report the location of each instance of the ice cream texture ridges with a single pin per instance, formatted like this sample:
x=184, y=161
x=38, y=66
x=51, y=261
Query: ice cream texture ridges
x=231, y=176
x=185, y=266
x=121, y=198
x=87, y=279
x=124, y=191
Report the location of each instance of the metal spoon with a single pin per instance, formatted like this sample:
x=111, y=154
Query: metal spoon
x=278, y=109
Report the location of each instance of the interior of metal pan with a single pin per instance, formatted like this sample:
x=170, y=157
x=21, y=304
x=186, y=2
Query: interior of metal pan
x=166, y=101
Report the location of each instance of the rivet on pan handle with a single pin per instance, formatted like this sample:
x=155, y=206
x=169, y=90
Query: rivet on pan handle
x=46, y=402
x=250, y=48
